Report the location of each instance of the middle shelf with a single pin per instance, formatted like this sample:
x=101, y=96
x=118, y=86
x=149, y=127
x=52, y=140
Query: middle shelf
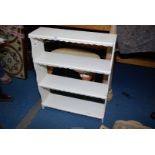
x=93, y=65
x=76, y=86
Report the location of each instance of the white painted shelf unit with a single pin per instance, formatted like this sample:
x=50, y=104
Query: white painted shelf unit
x=46, y=81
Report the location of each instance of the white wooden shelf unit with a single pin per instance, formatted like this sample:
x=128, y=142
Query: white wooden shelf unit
x=46, y=81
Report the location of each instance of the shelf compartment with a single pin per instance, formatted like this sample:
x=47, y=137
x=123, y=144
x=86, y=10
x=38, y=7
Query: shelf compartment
x=87, y=88
x=78, y=106
x=93, y=65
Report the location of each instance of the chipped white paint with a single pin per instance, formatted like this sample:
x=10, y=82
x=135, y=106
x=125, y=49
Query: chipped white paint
x=74, y=36
x=45, y=81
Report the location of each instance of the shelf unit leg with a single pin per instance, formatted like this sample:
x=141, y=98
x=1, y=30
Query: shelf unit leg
x=37, y=48
x=105, y=102
x=109, y=80
x=41, y=71
x=110, y=75
x=44, y=94
x=110, y=55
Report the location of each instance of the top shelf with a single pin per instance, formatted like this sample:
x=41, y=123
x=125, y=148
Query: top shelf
x=74, y=36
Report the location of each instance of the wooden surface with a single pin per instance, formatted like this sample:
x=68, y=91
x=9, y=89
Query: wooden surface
x=74, y=105
x=137, y=61
x=76, y=86
x=68, y=84
x=74, y=62
x=74, y=36
x=90, y=27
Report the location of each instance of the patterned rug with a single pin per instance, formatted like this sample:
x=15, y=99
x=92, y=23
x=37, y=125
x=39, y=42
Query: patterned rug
x=13, y=52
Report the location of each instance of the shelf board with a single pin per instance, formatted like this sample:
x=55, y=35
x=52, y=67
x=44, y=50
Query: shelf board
x=74, y=36
x=93, y=65
x=76, y=86
x=78, y=106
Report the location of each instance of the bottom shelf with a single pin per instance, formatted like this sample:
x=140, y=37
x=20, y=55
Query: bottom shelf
x=78, y=106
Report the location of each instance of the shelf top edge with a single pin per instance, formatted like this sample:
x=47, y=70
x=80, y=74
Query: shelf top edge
x=75, y=36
